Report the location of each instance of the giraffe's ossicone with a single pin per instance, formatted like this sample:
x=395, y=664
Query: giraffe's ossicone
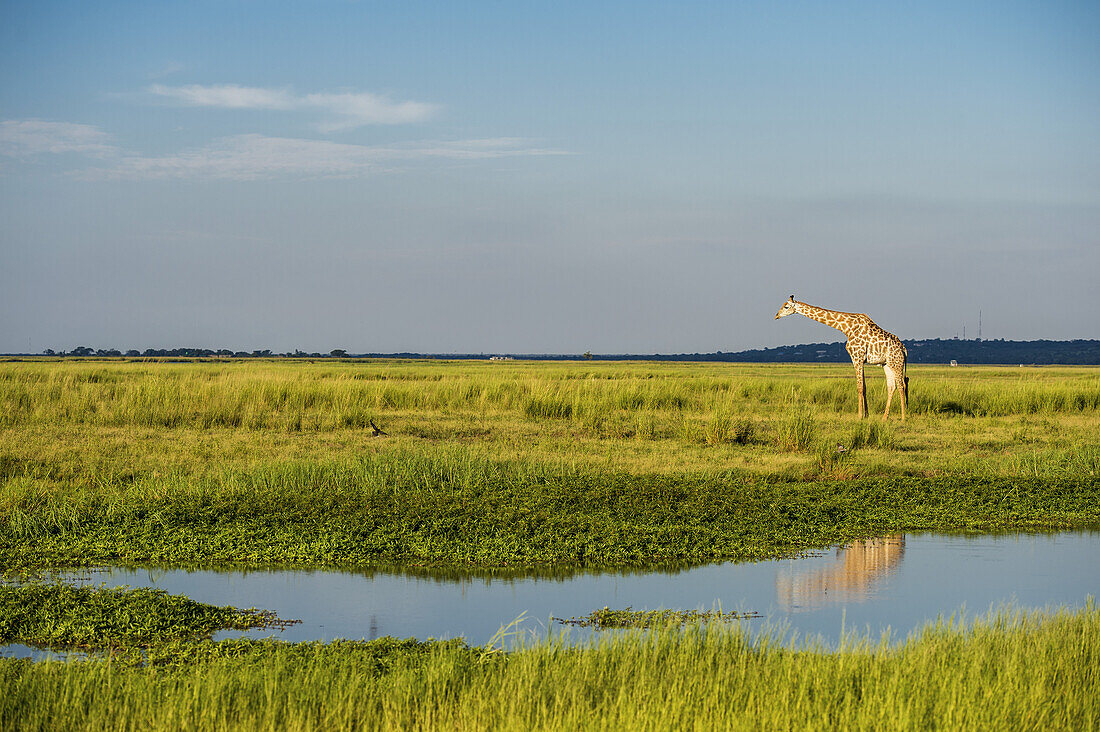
x=867, y=343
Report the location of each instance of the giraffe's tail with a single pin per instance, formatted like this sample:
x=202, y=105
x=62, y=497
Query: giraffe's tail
x=904, y=378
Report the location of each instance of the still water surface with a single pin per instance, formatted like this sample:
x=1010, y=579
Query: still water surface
x=896, y=582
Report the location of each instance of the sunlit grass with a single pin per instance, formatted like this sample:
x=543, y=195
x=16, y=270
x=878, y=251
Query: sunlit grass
x=261, y=395
x=1010, y=670
x=562, y=464
x=124, y=448
x=452, y=504
x=105, y=417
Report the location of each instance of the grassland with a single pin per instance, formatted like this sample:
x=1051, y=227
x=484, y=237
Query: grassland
x=1008, y=671
x=521, y=463
x=512, y=465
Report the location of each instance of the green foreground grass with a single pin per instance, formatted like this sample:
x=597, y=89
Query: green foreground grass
x=1010, y=670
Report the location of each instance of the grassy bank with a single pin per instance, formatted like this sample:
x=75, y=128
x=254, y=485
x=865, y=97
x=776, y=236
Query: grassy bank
x=440, y=508
x=1010, y=671
x=521, y=463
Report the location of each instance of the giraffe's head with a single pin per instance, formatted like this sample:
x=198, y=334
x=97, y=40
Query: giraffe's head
x=787, y=309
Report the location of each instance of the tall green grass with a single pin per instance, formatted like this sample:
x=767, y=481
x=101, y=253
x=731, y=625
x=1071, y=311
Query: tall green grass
x=1010, y=670
x=797, y=431
x=324, y=397
x=871, y=434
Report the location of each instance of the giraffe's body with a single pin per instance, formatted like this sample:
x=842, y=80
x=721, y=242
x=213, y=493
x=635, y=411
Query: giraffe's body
x=867, y=343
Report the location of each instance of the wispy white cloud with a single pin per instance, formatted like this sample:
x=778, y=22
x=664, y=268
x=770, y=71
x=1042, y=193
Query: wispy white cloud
x=225, y=96
x=27, y=137
x=170, y=68
x=344, y=110
x=246, y=157
x=256, y=157
x=475, y=149
x=355, y=109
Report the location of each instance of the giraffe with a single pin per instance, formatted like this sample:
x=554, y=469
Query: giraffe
x=867, y=343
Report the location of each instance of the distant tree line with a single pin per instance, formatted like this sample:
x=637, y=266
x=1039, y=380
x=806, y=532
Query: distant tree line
x=928, y=351
x=190, y=353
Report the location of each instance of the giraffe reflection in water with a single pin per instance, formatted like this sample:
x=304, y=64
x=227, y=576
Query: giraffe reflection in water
x=858, y=567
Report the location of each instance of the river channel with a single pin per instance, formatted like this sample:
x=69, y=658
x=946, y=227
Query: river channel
x=890, y=584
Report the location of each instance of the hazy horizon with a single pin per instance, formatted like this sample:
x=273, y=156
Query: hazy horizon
x=127, y=351
x=642, y=177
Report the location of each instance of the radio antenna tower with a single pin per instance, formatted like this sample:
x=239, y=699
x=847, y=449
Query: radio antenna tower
x=979, y=324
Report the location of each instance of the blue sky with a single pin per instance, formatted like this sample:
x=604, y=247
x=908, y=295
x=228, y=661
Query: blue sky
x=544, y=177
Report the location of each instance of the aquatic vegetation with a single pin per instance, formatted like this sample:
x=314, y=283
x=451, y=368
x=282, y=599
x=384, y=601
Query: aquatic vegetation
x=629, y=618
x=63, y=616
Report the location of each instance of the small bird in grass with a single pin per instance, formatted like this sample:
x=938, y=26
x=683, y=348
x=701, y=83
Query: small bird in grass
x=375, y=429
x=841, y=448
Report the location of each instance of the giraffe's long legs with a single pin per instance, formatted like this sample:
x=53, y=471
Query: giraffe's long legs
x=891, y=384
x=861, y=389
x=894, y=380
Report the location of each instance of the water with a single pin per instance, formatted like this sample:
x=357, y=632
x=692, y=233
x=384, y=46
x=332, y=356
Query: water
x=897, y=582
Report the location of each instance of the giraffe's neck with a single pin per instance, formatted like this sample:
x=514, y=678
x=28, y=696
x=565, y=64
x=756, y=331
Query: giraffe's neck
x=831, y=318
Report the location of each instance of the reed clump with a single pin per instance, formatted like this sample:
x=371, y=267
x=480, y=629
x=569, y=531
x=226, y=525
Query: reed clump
x=871, y=434
x=797, y=431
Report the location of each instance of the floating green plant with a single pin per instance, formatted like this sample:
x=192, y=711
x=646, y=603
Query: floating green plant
x=628, y=618
x=94, y=618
